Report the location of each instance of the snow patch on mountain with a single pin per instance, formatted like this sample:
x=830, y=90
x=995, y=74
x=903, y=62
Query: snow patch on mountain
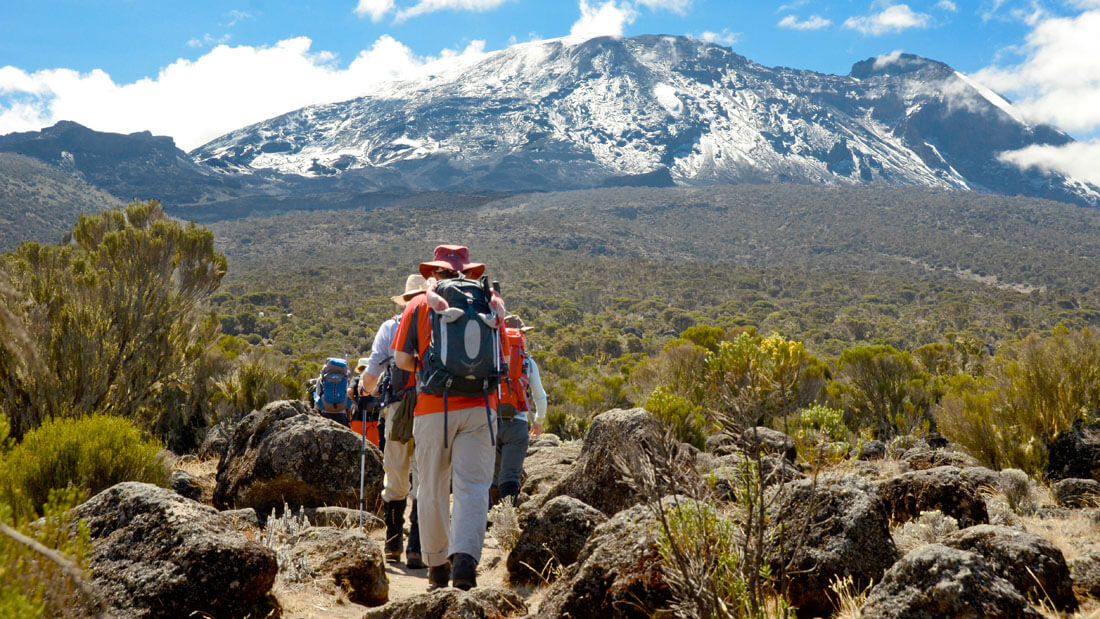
x=558, y=114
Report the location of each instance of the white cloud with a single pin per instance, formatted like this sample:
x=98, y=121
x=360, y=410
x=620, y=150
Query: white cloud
x=375, y=9
x=947, y=5
x=894, y=19
x=1058, y=81
x=727, y=38
x=886, y=60
x=225, y=89
x=208, y=40
x=236, y=17
x=1080, y=160
x=792, y=6
x=676, y=6
x=431, y=6
x=815, y=22
x=607, y=19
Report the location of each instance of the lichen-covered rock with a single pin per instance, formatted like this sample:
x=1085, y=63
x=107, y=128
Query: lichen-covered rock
x=923, y=458
x=722, y=444
x=1085, y=571
x=1077, y=492
x=634, y=435
x=618, y=572
x=730, y=472
x=936, y=581
x=871, y=450
x=768, y=441
x=551, y=539
x=943, y=489
x=353, y=560
x=191, y=486
x=216, y=440
x=981, y=476
x=546, y=464
x=1075, y=454
x=1032, y=564
x=451, y=603
x=284, y=454
x=158, y=554
x=834, y=528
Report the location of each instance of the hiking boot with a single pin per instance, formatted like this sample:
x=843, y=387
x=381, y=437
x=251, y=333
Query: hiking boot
x=393, y=513
x=510, y=489
x=464, y=571
x=413, y=559
x=439, y=576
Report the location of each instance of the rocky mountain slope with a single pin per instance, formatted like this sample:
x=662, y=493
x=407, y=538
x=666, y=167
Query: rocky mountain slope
x=656, y=110
x=39, y=202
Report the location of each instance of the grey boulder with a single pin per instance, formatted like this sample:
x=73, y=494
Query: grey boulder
x=936, y=581
x=158, y=554
x=285, y=454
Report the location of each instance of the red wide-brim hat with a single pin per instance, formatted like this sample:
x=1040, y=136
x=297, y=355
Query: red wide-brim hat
x=455, y=258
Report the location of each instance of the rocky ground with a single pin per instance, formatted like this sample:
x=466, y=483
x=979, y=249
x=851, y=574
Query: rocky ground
x=915, y=526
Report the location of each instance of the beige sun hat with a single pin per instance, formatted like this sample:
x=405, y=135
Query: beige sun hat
x=414, y=285
x=362, y=365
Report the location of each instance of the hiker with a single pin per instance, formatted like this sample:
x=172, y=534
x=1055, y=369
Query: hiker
x=366, y=418
x=330, y=397
x=521, y=389
x=396, y=387
x=453, y=432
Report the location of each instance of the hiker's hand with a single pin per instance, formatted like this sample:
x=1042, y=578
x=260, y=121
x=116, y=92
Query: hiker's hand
x=536, y=429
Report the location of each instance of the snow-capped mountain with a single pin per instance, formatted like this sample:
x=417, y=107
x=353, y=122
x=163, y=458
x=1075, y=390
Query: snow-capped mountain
x=656, y=110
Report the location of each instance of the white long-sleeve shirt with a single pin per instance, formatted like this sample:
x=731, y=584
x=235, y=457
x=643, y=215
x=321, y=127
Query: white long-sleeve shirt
x=538, y=394
x=380, y=351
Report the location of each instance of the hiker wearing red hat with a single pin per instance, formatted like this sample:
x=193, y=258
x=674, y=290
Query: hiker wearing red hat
x=453, y=432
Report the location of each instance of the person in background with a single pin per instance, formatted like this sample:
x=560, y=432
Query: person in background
x=401, y=477
x=521, y=392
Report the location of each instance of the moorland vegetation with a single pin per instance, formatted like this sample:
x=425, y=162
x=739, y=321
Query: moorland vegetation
x=838, y=315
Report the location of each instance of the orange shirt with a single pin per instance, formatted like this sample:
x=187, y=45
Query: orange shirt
x=412, y=337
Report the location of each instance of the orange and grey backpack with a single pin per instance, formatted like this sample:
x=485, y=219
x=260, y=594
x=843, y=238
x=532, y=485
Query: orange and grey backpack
x=514, y=388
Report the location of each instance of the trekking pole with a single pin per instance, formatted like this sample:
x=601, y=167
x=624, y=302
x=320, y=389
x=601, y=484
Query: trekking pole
x=499, y=345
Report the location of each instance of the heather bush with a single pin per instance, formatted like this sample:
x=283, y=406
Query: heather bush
x=882, y=389
x=113, y=318
x=88, y=454
x=1032, y=391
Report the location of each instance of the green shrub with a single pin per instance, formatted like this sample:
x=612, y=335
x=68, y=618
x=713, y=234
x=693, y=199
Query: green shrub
x=828, y=421
x=114, y=317
x=567, y=426
x=684, y=418
x=1032, y=391
x=883, y=389
x=255, y=381
x=89, y=454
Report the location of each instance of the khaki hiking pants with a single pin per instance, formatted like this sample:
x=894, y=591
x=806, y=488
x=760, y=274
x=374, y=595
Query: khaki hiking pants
x=398, y=463
x=466, y=466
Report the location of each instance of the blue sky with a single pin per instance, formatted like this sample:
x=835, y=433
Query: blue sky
x=197, y=69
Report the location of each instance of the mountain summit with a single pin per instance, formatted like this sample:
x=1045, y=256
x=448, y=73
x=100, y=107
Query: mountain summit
x=656, y=110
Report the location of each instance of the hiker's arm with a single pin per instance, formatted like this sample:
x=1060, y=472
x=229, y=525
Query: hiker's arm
x=405, y=361
x=538, y=395
x=367, y=384
x=406, y=339
x=380, y=352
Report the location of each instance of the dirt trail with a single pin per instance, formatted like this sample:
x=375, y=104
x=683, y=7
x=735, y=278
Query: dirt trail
x=322, y=598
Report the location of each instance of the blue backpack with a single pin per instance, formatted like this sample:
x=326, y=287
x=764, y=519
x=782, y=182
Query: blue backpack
x=332, y=386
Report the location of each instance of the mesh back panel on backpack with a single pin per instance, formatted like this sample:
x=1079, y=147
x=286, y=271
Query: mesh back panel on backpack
x=462, y=358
